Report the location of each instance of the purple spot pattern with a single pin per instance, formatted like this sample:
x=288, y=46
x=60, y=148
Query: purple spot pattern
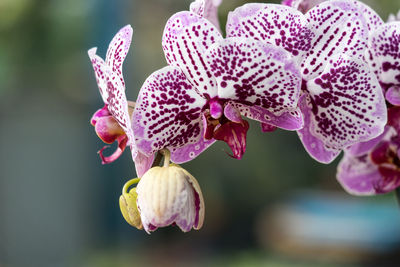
x=276, y=24
x=248, y=71
x=384, y=50
x=317, y=149
x=347, y=104
x=167, y=112
x=101, y=72
x=371, y=17
x=339, y=28
x=110, y=79
x=117, y=51
x=186, y=37
x=207, y=9
x=118, y=106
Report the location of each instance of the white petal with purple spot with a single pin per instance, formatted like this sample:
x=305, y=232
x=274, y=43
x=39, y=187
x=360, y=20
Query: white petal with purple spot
x=347, y=103
x=314, y=146
x=254, y=73
x=118, y=107
x=384, y=46
x=167, y=112
x=207, y=9
x=276, y=24
x=340, y=28
x=101, y=71
x=186, y=37
x=117, y=51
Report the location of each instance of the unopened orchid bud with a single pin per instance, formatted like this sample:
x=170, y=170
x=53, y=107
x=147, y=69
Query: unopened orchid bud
x=170, y=195
x=127, y=204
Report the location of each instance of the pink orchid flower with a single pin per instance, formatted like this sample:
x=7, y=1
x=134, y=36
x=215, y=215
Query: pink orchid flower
x=373, y=167
x=209, y=84
x=113, y=121
x=342, y=100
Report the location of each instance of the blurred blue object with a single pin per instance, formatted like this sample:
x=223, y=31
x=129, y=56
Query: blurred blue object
x=335, y=225
x=337, y=219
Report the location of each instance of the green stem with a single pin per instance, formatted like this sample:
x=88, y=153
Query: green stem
x=157, y=160
x=167, y=156
x=129, y=184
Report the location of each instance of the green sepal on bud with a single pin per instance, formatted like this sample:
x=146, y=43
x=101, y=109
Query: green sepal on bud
x=128, y=206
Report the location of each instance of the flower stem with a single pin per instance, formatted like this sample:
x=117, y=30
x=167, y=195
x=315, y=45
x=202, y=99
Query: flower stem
x=129, y=184
x=157, y=160
x=167, y=156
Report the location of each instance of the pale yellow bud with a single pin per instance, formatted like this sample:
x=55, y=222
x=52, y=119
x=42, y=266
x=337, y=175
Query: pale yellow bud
x=168, y=195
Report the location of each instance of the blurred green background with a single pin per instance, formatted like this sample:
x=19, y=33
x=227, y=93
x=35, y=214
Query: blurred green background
x=59, y=205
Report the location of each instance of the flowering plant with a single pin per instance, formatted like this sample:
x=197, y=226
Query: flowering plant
x=329, y=70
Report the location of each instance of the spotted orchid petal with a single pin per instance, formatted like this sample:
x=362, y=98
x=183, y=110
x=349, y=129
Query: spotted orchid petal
x=118, y=107
x=358, y=175
x=101, y=71
x=314, y=146
x=346, y=106
x=339, y=27
x=290, y=120
x=117, y=51
x=276, y=24
x=257, y=74
x=186, y=38
x=302, y=5
x=374, y=21
x=207, y=9
x=384, y=47
x=167, y=113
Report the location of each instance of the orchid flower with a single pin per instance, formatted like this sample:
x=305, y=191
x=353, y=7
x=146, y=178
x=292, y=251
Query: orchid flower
x=374, y=167
x=342, y=101
x=113, y=121
x=209, y=84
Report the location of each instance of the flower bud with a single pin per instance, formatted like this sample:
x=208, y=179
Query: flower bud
x=127, y=204
x=170, y=195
